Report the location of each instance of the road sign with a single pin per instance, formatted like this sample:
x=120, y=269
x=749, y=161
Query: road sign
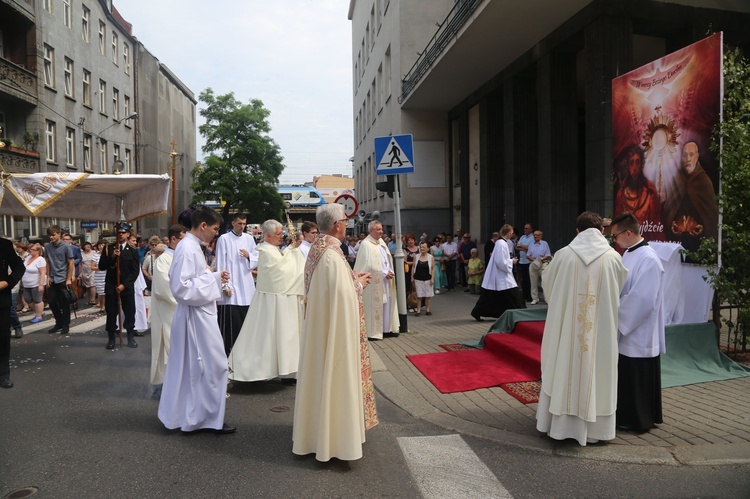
x=394, y=154
x=89, y=225
x=349, y=203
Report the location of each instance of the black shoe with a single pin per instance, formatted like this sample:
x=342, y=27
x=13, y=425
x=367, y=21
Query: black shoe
x=390, y=335
x=373, y=339
x=6, y=383
x=64, y=330
x=132, y=343
x=136, y=333
x=19, y=332
x=288, y=381
x=55, y=329
x=466, y=290
x=111, y=344
x=225, y=430
x=477, y=318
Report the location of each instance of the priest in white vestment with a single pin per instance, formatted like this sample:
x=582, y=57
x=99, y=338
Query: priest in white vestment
x=195, y=383
x=268, y=344
x=163, y=306
x=335, y=399
x=579, y=347
x=235, y=252
x=641, y=333
x=309, y=233
x=381, y=310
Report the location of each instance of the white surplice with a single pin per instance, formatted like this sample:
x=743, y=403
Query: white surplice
x=579, y=347
x=240, y=269
x=498, y=275
x=381, y=311
x=163, y=306
x=304, y=247
x=268, y=343
x=195, y=384
x=641, y=317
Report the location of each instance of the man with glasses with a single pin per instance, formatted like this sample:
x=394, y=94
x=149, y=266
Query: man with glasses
x=539, y=254
x=235, y=252
x=579, y=345
x=309, y=233
x=122, y=264
x=640, y=338
x=523, y=263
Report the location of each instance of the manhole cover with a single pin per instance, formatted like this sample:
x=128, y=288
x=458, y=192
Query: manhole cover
x=280, y=408
x=22, y=492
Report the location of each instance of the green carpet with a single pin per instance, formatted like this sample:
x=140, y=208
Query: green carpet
x=692, y=356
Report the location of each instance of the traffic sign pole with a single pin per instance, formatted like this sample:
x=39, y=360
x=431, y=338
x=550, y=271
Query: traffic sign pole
x=399, y=260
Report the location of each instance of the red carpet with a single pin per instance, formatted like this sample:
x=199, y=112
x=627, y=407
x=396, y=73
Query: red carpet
x=526, y=392
x=505, y=358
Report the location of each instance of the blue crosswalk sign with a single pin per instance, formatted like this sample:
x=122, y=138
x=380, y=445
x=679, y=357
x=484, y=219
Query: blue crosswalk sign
x=394, y=154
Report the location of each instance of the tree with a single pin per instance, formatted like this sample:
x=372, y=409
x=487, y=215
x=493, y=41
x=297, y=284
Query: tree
x=244, y=162
x=731, y=281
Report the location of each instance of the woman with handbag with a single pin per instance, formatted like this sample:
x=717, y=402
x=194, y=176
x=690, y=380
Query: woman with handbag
x=422, y=273
x=410, y=252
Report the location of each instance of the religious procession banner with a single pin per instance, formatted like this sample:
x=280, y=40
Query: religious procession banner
x=663, y=115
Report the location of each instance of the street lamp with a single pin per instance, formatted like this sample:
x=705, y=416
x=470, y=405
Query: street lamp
x=117, y=122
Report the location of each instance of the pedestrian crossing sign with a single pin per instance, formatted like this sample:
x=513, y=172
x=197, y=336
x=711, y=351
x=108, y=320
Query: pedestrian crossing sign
x=394, y=155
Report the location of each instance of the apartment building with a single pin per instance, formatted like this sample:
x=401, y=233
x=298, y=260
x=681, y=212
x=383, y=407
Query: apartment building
x=508, y=102
x=69, y=99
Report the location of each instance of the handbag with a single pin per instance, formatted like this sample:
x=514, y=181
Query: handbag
x=411, y=299
x=71, y=298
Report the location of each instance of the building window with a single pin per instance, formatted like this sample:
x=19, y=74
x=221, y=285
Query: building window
x=86, y=88
x=67, y=14
x=69, y=84
x=115, y=49
x=373, y=28
x=115, y=154
x=366, y=42
x=47, y=5
x=50, y=141
x=102, y=156
x=33, y=227
x=102, y=37
x=70, y=148
x=115, y=104
x=87, y=152
x=126, y=57
x=380, y=87
x=103, y=97
x=127, y=110
x=128, y=160
x=85, y=24
x=373, y=111
x=49, y=66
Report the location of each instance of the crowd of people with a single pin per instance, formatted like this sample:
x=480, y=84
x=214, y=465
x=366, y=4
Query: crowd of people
x=226, y=308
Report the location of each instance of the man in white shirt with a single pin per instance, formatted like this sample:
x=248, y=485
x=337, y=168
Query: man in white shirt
x=450, y=254
x=309, y=233
x=235, y=252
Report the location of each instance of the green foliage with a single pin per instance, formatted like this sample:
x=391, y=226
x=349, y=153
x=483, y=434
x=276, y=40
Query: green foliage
x=244, y=162
x=732, y=142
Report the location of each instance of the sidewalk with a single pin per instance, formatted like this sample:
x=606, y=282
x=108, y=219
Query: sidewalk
x=704, y=424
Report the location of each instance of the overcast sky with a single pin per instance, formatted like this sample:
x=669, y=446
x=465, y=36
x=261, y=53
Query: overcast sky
x=294, y=55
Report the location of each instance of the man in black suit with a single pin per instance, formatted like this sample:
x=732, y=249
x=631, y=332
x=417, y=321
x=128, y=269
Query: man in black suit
x=129, y=267
x=11, y=271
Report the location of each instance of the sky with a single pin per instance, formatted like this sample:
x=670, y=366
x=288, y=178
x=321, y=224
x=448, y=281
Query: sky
x=294, y=55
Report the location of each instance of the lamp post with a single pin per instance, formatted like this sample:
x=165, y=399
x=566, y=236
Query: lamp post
x=117, y=122
x=173, y=156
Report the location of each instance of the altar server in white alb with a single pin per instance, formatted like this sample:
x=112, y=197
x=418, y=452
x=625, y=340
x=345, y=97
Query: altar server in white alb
x=268, y=344
x=381, y=311
x=235, y=252
x=195, y=383
x=579, y=347
x=309, y=233
x=163, y=306
x=640, y=329
x=335, y=399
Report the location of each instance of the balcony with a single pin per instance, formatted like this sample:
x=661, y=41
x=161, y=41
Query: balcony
x=17, y=160
x=18, y=82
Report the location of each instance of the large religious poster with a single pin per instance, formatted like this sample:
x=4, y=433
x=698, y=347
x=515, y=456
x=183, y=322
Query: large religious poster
x=663, y=115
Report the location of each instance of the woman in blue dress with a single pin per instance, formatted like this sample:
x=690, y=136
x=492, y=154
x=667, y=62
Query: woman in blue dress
x=437, y=254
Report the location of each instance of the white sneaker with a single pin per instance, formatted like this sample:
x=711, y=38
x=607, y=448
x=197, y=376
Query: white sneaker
x=437, y=291
x=534, y=302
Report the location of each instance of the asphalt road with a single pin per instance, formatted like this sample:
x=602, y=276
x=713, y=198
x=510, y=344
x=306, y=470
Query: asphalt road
x=81, y=422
